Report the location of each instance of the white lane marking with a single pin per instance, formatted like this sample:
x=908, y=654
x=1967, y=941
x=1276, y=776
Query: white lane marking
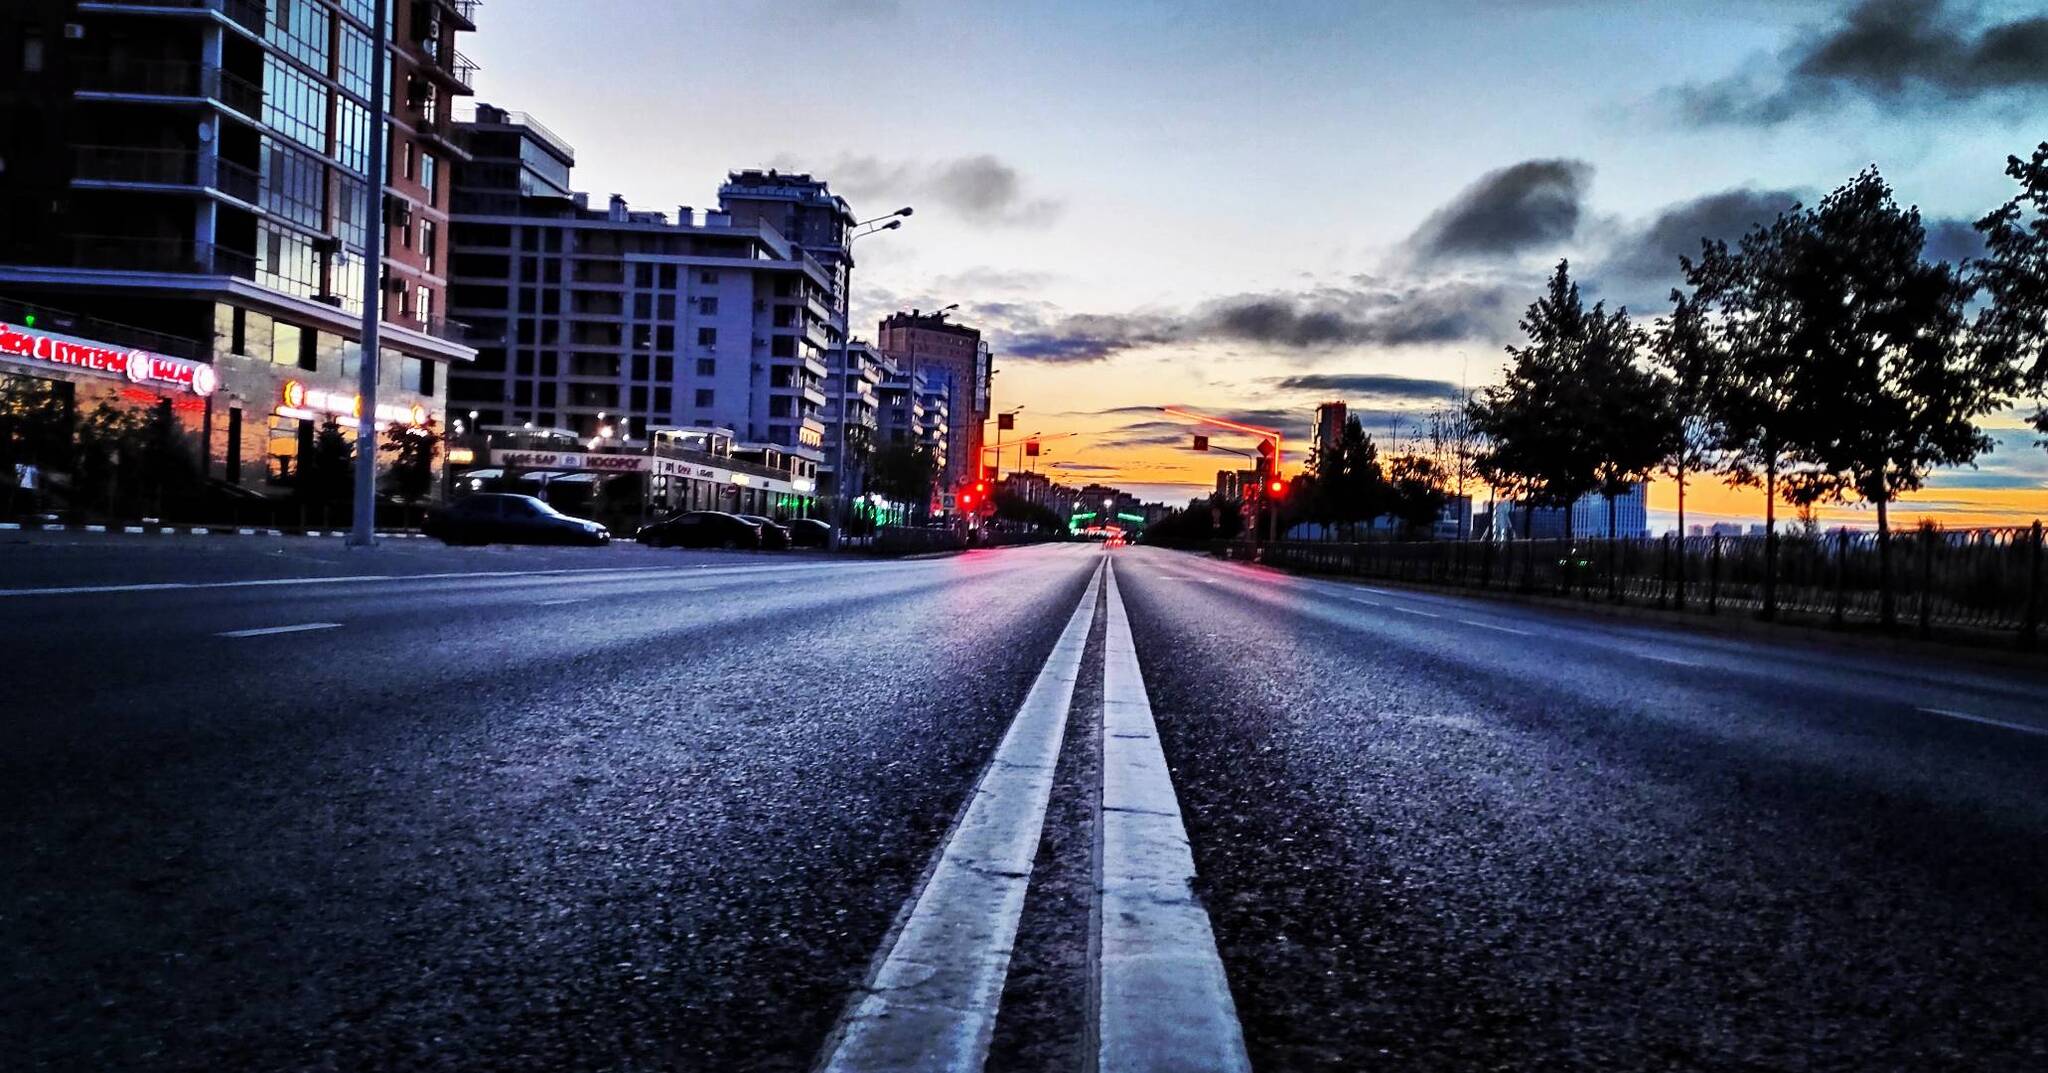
x=1499, y=629
x=1164, y=1001
x=1416, y=611
x=1673, y=660
x=932, y=1001
x=269, y=630
x=559, y=603
x=1366, y=602
x=1948, y=713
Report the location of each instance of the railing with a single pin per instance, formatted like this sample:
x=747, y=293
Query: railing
x=249, y=14
x=1974, y=579
x=171, y=78
x=462, y=69
x=103, y=331
x=130, y=254
x=165, y=167
x=453, y=331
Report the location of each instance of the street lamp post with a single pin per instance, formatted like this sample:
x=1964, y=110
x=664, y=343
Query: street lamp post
x=363, y=533
x=842, y=503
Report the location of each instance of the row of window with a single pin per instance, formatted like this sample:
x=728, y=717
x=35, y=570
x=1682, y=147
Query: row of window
x=528, y=393
x=298, y=347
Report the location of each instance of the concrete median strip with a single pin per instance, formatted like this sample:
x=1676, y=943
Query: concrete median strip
x=931, y=1002
x=1163, y=1002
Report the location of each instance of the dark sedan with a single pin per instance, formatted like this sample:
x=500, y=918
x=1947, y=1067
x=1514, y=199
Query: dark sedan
x=502, y=518
x=810, y=533
x=701, y=529
x=774, y=534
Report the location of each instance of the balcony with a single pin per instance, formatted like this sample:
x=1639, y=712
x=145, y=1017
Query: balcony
x=465, y=12
x=247, y=14
x=131, y=165
x=453, y=331
x=122, y=253
x=179, y=79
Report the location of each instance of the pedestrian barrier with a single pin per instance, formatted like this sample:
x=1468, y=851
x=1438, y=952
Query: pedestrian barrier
x=1987, y=580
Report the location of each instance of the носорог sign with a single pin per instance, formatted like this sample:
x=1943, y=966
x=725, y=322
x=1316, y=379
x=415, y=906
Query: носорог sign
x=571, y=460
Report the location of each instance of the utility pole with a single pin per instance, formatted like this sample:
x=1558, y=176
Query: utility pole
x=363, y=533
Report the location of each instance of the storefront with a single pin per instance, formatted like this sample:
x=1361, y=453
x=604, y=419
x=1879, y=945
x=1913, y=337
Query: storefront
x=96, y=427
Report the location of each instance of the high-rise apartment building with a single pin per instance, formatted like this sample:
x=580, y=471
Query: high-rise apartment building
x=631, y=320
x=1329, y=427
x=955, y=353
x=191, y=177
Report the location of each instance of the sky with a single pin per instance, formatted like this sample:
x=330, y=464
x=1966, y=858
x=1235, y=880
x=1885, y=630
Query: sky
x=1248, y=208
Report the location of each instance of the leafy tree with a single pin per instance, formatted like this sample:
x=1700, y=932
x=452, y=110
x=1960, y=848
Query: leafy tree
x=35, y=429
x=1627, y=418
x=1453, y=446
x=412, y=449
x=1011, y=507
x=1416, y=493
x=1199, y=523
x=1346, y=484
x=2013, y=325
x=905, y=472
x=327, y=472
x=1769, y=396
x=1534, y=423
x=1685, y=348
x=1884, y=330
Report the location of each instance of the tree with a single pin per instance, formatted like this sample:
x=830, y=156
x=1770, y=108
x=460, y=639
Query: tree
x=2013, y=324
x=1768, y=397
x=412, y=449
x=1627, y=429
x=1416, y=493
x=1453, y=446
x=326, y=472
x=1533, y=424
x=905, y=472
x=1884, y=330
x=1685, y=348
x=35, y=431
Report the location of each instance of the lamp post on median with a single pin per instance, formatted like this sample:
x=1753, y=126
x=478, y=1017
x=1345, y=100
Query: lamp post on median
x=842, y=503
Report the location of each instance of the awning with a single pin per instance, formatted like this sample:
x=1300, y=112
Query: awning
x=576, y=478
x=541, y=475
x=481, y=475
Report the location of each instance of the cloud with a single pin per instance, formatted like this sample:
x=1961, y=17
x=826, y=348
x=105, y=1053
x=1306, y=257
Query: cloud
x=980, y=189
x=1507, y=212
x=1363, y=311
x=1952, y=240
x=1371, y=385
x=1913, y=53
x=1084, y=467
x=1640, y=265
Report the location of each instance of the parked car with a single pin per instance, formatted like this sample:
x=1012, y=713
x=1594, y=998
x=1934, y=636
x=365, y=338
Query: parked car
x=774, y=534
x=701, y=529
x=503, y=518
x=810, y=533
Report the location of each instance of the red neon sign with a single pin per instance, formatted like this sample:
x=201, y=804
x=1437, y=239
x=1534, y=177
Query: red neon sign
x=139, y=366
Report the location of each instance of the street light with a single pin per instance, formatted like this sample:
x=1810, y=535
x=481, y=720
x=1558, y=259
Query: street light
x=842, y=503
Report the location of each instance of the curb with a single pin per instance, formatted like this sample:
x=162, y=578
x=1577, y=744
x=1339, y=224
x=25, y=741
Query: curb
x=193, y=530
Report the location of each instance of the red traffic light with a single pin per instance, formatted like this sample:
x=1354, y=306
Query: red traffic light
x=1277, y=488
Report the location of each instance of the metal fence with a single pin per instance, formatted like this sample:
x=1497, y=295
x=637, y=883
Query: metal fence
x=1978, y=579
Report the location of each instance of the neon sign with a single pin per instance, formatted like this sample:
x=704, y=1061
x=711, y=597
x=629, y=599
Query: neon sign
x=301, y=401
x=138, y=366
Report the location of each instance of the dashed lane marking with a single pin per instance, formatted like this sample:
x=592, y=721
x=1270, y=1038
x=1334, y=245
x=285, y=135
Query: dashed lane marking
x=1949, y=713
x=1416, y=611
x=931, y=1002
x=1496, y=628
x=1163, y=1001
x=267, y=631
x=1673, y=660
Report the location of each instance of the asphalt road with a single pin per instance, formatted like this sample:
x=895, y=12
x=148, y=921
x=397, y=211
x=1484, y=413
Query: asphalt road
x=272, y=804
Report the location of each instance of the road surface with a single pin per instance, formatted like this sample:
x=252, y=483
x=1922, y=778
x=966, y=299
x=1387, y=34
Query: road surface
x=271, y=804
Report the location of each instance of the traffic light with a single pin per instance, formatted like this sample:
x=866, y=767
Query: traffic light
x=1277, y=487
x=1201, y=443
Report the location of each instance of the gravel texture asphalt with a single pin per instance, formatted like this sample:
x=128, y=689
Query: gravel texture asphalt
x=617, y=809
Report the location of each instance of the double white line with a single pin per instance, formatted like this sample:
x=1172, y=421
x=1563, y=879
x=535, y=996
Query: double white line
x=1162, y=1000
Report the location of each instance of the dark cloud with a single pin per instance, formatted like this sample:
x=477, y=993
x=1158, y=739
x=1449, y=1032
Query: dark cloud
x=1372, y=385
x=1510, y=211
x=1952, y=240
x=1084, y=467
x=1641, y=265
x=1366, y=312
x=980, y=189
x=1895, y=52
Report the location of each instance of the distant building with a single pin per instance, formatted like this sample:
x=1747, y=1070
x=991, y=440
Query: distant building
x=953, y=355
x=1329, y=427
x=1585, y=519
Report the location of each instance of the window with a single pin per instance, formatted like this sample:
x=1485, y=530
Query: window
x=704, y=396
x=429, y=375
x=707, y=337
x=239, y=327
x=427, y=242
x=32, y=53
x=286, y=341
x=707, y=277
x=309, y=351
x=707, y=305
x=664, y=400
x=423, y=304
x=664, y=367
x=639, y=366
x=639, y=398
x=707, y=367
x=411, y=160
